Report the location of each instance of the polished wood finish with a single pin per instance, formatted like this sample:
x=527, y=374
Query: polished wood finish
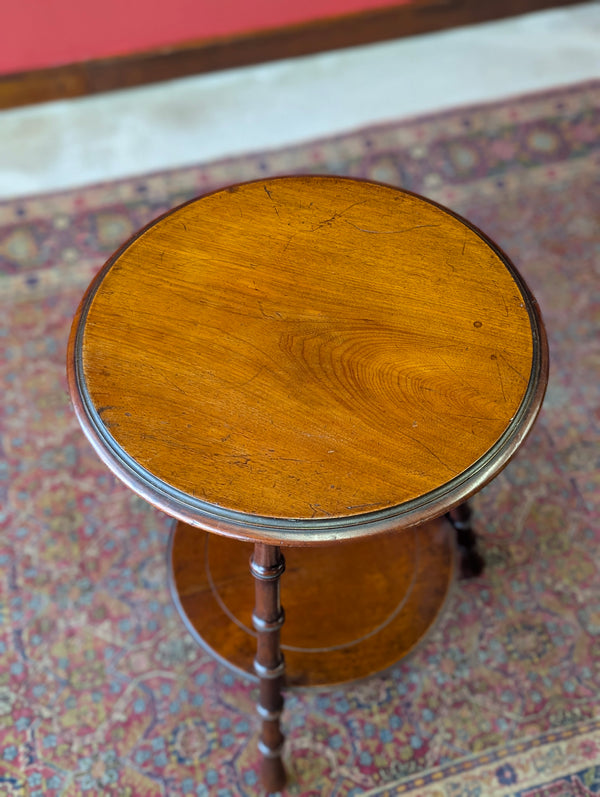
x=396, y=585
x=300, y=360
x=267, y=565
x=195, y=57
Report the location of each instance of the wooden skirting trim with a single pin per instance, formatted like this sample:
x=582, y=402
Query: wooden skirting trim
x=195, y=57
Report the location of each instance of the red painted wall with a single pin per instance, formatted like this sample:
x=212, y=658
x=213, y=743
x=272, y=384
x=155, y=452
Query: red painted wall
x=41, y=33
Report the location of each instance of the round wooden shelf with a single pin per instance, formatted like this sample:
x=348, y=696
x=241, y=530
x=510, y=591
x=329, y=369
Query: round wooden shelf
x=396, y=585
x=306, y=359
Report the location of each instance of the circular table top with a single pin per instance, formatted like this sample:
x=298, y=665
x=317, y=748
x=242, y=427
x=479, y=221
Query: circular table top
x=301, y=359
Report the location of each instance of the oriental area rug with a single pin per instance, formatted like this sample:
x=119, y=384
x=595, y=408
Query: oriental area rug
x=102, y=689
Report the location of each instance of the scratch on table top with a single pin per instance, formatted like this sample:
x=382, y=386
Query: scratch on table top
x=268, y=193
x=391, y=232
x=337, y=215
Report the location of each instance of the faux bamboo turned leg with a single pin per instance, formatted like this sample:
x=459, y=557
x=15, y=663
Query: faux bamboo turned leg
x=472, y=562
x=266, y=565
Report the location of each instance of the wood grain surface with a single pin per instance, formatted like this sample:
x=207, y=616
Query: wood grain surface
x=307, y=349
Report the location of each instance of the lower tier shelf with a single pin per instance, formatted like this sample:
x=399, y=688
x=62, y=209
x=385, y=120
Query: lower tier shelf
x=352, y=608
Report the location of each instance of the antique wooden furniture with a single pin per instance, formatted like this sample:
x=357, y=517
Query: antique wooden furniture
x=319, y=363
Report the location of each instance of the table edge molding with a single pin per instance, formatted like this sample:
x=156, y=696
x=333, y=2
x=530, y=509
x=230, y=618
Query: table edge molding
x=318, y=530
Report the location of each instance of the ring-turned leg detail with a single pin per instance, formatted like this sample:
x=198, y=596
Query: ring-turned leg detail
x=267, y=565
x=472, y=562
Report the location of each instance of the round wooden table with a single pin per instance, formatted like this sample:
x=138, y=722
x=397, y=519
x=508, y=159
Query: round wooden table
x=309, y=362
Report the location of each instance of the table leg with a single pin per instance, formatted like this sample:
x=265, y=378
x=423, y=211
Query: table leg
x=471, y=561
x=266, y=565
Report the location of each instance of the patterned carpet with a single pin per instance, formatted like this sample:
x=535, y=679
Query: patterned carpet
x=102, y=692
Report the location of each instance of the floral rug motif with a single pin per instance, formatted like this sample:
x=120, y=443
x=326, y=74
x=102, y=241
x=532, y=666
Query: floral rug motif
x=102, y=691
